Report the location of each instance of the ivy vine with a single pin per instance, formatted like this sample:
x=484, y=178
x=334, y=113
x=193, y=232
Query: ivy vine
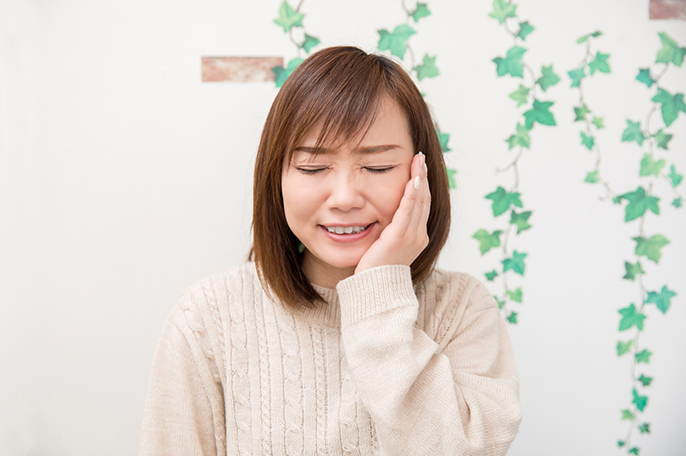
x=291, y=20
x=504, y=199
x=653, y=142
x=397, y=43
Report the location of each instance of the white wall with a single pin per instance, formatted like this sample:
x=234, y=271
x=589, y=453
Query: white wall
x=123, y=179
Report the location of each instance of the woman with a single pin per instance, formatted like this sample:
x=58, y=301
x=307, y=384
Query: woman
x=341, y=337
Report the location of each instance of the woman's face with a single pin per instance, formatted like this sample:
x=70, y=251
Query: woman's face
x=338, y=202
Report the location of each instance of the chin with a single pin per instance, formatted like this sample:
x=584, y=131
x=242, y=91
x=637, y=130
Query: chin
x=342, y=260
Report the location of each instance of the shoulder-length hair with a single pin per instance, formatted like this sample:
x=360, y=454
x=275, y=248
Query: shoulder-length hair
x=339, y=88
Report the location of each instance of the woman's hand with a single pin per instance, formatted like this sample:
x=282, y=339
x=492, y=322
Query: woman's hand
x=405, y=237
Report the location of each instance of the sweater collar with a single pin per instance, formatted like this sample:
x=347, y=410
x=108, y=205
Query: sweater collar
x=323, y=314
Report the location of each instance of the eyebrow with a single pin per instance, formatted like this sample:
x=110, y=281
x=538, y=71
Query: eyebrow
x=362, y=150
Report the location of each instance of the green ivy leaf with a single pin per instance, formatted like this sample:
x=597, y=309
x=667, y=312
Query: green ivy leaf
x=644, y=428
x=639, y=202
x=670, y=105
x=580, y=112
x=491, y=275
x=643, y=357
x=675, y=177
x=650, y=247
x=650, y=167
x=633, y=132
x=524, y=29
x=427, y=69
x=662, y=139
x=639, y=401
x=677, y=202
x=521, y=138
x=577, y=75
x=585, y=37
x=452, y=181
x=620, y=443
x=511, y=64
x=443, y=139
x=644, y=77
x=598, y=122
x=395, y=41
x=631, y=318
x=670, y=52
x=587, y=141
x=592, y=177
x=628, y=416
x=288, y=17
x=309, y=43
x=520, y=95
x=635, y=451
x=502, y=10
x=502, y=201
x=599, y=63
x=420, y=11
x=512, y=318
x=645, y=381
x=500, y=303
x=487, y=241
x=516, y=263
x=624, y=347
x=662, y=300
x=521, y=221
x=632, y=270
x=281, y=73
x=548, y=78
x=515, y=295
x=539, y=113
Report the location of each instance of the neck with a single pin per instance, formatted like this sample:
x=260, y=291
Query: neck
x=322, y=274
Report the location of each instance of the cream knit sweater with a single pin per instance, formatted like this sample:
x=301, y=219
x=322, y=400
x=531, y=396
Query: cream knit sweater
x=382, y=369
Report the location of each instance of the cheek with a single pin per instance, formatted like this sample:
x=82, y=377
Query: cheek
x=299, y=201
x=387, y=195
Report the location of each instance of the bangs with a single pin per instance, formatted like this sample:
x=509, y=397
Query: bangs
x=340, y=98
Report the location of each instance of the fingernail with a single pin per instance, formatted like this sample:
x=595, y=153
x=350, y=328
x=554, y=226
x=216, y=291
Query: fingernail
x=416, y=183
x=426, y=169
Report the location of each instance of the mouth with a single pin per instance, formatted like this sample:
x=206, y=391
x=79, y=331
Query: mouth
x=347, y=229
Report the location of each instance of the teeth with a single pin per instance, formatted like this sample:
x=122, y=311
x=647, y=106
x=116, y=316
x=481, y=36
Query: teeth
x=346, y=229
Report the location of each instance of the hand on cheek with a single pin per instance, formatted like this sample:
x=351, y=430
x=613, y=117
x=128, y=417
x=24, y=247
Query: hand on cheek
x=406, y=236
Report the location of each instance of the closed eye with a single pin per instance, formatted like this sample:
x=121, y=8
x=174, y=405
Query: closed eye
x=310, y=170
x=379, y=170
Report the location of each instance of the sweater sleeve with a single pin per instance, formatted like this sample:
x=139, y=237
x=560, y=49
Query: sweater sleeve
x=459, y=397
x=183, y=409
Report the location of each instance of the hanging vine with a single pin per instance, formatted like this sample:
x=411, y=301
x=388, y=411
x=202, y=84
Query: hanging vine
x=506, y=199
x=397, y=43
x=291, y=20
x=653, y=142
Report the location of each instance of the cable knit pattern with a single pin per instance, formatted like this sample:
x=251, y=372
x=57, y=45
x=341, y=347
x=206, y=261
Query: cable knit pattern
x=383, y=368
x=293, y=388
x=348, y=412
x=239, y=365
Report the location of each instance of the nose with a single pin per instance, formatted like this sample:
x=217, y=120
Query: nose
x=346, y=192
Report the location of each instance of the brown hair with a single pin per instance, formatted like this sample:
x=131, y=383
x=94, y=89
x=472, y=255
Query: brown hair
x=339, y=88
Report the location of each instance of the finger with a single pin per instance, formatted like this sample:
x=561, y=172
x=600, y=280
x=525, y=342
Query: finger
x=421, y=208
x=403, y=215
